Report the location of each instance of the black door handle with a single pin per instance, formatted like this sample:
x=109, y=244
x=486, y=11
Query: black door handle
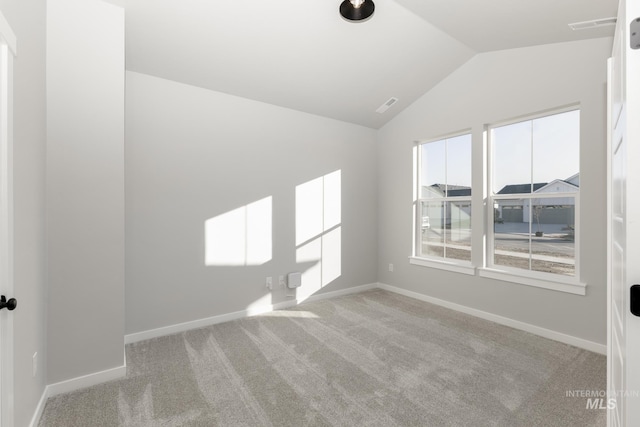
x=634, y=301
x=9, y=305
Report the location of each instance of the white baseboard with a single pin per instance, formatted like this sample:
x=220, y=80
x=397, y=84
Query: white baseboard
x=86, y=381
x=537, y=330
x=35, y=420
x=76, y=384
x=201, y=323
x=333, y=294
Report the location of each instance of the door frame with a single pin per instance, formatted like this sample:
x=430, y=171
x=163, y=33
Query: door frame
x=7, y=54
x=623, y=328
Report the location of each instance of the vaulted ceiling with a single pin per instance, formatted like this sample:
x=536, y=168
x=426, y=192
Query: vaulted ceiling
x=303, y=55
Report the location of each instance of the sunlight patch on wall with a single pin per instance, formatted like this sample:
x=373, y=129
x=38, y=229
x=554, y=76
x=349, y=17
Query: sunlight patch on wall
x=240, y=237
x=309, y=210
x=312, y=276
x=318, y=231
x=331, y=255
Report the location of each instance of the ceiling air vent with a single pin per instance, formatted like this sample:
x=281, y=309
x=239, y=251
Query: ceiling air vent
x=384, y=107
x=602, y=22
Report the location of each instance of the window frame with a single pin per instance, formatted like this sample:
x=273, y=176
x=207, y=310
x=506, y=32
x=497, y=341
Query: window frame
x=482, y=234
x=571, y=284
x=418, y=258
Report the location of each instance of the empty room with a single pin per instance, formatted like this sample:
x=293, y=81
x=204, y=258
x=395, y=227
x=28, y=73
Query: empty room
x=319, y=213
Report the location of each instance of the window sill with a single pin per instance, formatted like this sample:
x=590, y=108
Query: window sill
x=444, y=265
x=561, y=286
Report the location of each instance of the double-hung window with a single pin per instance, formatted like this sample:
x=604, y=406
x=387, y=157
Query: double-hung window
x=443, y=205
x=530, y=202
x=533, y=203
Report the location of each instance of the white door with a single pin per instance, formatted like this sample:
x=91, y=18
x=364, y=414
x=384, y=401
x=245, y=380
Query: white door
x=624, y=222
x=7, y=51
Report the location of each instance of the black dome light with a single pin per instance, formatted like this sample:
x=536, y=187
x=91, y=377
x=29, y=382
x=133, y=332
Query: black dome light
x=357, y=10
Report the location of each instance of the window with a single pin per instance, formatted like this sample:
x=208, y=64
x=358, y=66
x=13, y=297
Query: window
x=530, y=202
x=443, y=208
x=534, y=188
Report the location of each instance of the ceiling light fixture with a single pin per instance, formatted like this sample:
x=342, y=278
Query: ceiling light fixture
x=357, y=10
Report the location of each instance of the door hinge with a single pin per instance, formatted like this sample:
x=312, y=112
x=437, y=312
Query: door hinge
x=634, y=34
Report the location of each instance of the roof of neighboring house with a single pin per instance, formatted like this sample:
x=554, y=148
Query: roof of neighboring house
x=573, y=179
x=452, y=190
x=521, y=188
x=557, y=181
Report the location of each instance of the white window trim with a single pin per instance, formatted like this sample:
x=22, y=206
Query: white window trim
x=534, y=278
x=448, y=264
x=557, y=282
x=463, y=267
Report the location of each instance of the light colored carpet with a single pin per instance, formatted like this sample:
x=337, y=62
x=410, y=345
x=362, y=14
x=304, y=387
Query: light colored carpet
x=369, y=359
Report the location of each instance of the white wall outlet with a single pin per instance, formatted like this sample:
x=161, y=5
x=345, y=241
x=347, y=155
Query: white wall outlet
x=269, y=283
x=390, y=267
x=35, y=364
x=281, y=281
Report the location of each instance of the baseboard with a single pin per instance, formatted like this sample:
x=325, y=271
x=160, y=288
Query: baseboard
x=86, y=381
x=516, y=324
x=201, y=323
x=35, y=420
x=75, y=384
x=333, y=294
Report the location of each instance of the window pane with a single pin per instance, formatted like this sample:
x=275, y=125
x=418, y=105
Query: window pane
x=540, y=158
x=433, y=178
x=459, y=166
x=432, y=229
x=511, y=233
x=553, y=240
x=458, y=231
x=511, y=146
x=535, y=234
x=556, y=147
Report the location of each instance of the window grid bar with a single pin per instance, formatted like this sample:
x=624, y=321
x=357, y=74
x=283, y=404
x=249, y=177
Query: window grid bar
x=448, y=199
x=446, y=194
x=534, y=195
x=444, y=210
x=530, y=240
x=531, y=154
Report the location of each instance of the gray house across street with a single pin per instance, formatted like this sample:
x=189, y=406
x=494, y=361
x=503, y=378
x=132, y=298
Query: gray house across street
x=547, y=210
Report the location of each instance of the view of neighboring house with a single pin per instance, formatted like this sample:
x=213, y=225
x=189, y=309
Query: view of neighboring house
x=439, y=190
x=445, y=214
x=550, y=210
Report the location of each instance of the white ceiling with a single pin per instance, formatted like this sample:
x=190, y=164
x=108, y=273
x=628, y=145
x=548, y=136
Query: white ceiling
x=303, y=55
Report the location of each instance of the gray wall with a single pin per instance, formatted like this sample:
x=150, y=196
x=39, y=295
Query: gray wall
x=493, y=87
x=85, y=193
x=27, y=19
x=194, y=154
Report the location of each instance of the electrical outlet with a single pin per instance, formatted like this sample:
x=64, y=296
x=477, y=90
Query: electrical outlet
x=281, y=281
x=269, y=282
x=35, y=364
x=390, y=267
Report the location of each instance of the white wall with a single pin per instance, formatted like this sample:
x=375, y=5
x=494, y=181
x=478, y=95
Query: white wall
x=27, y=19
x=493, y=87
x=193, y=155
x=85, y=193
